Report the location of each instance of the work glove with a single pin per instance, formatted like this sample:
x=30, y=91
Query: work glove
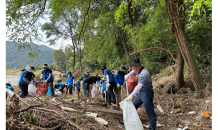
x=108, y=85
x=127, y=76
x=129, y=98
x=118, y=85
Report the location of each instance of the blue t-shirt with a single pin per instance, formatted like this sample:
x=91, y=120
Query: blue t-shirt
x=103, y=86
x=111, y=76
x=119, y=77
x=77, y=85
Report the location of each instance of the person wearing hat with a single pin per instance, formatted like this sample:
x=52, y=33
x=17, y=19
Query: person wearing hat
x=119, y=79
x=92, y=80
x=85, y=87
x=110, y=84
x=48, y=77
x=25, y=79
x=145, y=90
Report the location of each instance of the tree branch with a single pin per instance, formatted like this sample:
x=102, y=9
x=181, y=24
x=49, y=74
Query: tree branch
x=156, y=48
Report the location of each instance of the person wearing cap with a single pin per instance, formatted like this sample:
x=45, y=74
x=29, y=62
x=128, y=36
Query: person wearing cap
x=25, y=79
x=145, y=90
x=48, y=77
x=119, y=79
x=110, y=84
x=92, y=80
x=85, y=87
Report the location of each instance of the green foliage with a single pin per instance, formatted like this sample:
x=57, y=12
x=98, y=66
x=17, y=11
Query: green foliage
x=27, y=117
x=46, y=98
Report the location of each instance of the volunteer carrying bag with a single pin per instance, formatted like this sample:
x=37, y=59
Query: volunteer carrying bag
x=42, y=89
x=130, y=116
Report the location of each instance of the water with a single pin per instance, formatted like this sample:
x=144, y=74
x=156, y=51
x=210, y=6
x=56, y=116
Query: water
x=14, y=80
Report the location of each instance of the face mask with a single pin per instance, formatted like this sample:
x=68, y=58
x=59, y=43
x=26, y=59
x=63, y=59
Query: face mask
x=68, y=76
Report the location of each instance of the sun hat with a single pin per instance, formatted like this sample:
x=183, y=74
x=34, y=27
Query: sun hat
x=103, y=67
x=135, y=62
x=30, y=68
x=122, y=68
x=45, y=65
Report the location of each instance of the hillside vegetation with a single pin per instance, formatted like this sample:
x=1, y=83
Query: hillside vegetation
x=15, y=59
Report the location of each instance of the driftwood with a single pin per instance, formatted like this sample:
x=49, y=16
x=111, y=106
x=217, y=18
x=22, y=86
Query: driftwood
x=25, y=109
x=89, y=108
x=73, y=124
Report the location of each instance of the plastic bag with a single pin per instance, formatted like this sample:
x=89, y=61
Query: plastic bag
x=42, y=89
x=94, y=91
x=132, y=82
x=32, y=89
x=58, y=93
x=49, y=92
x=130, y=116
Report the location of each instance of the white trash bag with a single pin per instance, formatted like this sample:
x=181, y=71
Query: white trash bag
x=94, y=91
x=32, y=89
x=130, y=116
x=57, y=93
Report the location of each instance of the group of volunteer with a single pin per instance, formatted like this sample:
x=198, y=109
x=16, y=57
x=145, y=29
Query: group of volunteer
x=109, y=85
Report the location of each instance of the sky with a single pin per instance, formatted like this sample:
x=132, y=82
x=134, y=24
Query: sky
x=61, y=43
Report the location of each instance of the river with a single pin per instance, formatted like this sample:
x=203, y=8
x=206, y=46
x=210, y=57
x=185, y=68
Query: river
x=14, y=80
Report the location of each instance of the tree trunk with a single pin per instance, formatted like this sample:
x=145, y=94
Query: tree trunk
x=179, y=72
x=180, y=61
x=183, y=45
x=124, y=44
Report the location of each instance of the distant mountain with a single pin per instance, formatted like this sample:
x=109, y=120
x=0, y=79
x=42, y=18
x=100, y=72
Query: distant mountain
x=15, y=59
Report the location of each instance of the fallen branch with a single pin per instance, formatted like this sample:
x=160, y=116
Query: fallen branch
x=73, y=124
x=25, y=109
x=38, y=127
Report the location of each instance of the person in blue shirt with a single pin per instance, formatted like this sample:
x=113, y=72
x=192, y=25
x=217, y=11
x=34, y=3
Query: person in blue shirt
x=119, y=79
x=78, y=86
x=48, y=77
x=59, y=85
x=110, y=84
x=85, y=86
x=69, y=83
x=25, y=79
x=9, y=86
x=103, y=87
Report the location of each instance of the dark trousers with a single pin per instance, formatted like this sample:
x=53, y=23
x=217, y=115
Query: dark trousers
x=50, y=85
x=70, y=87
x=103, y=94
x=110, y=94
x=85, y=88
x=146, y=98
x=24, y=90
